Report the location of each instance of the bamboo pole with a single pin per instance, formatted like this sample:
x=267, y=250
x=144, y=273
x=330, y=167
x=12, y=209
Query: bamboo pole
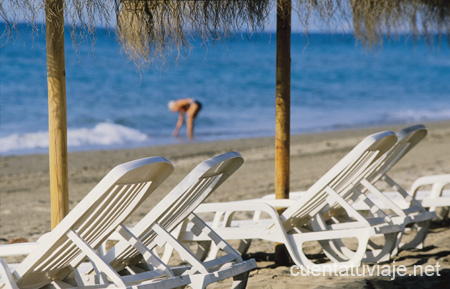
x=283, y=102
x=57, y=118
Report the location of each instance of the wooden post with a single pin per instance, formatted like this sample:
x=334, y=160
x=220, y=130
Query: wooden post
x=57, y=116
x=283, y=111
x=283, y=99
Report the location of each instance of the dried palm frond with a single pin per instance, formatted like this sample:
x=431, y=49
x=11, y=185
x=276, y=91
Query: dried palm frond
x=374, y=19
x=152, y=29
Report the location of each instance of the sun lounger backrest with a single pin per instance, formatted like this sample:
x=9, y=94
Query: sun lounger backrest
x=340, y=178
x=407, y=139
x=178, y=204
x=97, y=215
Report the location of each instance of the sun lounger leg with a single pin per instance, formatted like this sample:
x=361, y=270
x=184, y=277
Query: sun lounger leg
x=198, y=282
x=382, y=253
x=201, y=282
x=443, y=213
x=240, y=281
x=336, y=251
x=295, y=248
x=243, y=246
x=419, y=238
x=7, y=276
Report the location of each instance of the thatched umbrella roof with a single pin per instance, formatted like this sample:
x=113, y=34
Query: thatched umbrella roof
x=152, y=29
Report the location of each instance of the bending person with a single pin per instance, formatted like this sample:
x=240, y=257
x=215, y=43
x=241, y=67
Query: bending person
x=185, y=106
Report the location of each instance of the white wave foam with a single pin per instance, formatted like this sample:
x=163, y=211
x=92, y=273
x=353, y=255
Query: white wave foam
x=103, y=134
x=417, y=115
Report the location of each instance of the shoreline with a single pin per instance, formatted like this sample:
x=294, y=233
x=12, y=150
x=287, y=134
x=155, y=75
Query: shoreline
x=25, y=198
x=184, y=141
x=264, y=139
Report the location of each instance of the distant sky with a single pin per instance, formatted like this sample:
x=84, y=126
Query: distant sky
x=314, y=25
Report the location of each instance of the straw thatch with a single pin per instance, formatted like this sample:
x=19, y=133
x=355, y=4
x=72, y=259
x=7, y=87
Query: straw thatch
x=153, y=29
x=372, y=20
x=419, y=17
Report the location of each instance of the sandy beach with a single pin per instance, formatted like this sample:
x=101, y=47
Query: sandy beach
x=25, y=199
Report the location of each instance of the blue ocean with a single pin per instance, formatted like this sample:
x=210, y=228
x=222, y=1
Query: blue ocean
x=336, y=84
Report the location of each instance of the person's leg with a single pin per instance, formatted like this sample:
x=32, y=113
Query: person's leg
x=190, y=126
x=192, y=114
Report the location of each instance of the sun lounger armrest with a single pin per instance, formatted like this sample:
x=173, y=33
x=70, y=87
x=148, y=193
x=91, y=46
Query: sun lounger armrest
x=246, y=205
x=438, y=183
x=18, y=249
x=279, y=204
x=243, y=206
x=292, y=195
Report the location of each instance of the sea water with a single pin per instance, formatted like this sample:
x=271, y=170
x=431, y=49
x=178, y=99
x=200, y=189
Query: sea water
x=336, y=84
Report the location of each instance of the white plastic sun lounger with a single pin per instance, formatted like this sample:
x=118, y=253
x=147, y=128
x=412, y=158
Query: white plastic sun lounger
x=299, y=222
x=400, y=206
x=158, y=229
x=57, y=255
x=414, y=214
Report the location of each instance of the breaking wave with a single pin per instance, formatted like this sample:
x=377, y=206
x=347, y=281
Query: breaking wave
x=102, y=135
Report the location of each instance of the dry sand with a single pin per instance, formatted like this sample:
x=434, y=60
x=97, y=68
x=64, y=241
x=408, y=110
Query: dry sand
x=25, y=200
